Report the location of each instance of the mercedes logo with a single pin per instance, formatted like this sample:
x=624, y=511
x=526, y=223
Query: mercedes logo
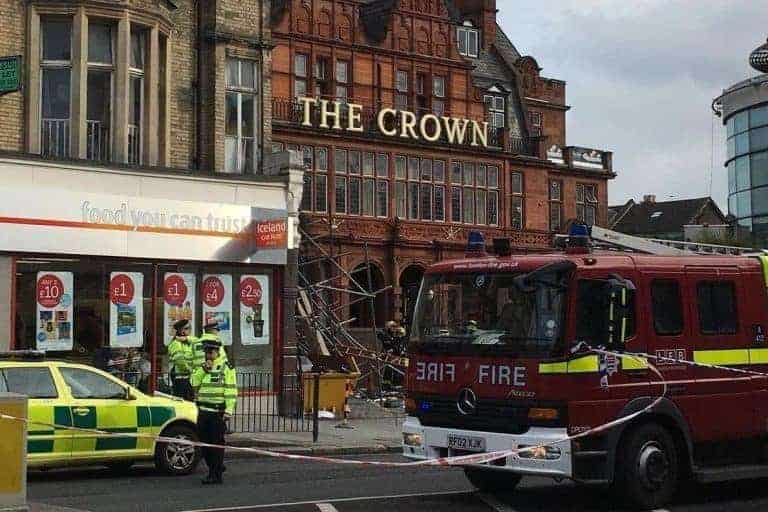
x=467, y=402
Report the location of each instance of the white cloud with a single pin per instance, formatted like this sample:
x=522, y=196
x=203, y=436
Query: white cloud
x=641, y=78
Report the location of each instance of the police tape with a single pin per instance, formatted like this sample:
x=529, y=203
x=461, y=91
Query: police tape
x=460, y=460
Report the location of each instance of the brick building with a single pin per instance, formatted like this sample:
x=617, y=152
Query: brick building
x=131, y=152
x=387, y=172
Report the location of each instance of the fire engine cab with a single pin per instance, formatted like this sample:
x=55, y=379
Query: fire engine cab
x=492, y=366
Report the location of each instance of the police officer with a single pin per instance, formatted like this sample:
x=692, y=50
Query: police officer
x=210, y=333
x=181, y=355
x=216, y=390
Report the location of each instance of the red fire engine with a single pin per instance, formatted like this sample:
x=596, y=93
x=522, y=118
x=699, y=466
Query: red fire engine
x=492, y=367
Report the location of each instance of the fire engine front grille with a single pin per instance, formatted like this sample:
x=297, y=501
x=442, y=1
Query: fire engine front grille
x=490, y=415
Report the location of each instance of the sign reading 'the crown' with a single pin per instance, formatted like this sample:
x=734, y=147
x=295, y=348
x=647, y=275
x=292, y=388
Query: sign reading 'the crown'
x=390, y=122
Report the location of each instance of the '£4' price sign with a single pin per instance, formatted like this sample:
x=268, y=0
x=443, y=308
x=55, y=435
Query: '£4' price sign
x=213, y=291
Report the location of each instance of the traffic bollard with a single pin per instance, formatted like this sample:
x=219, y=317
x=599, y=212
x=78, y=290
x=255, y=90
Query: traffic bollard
x=13, y=453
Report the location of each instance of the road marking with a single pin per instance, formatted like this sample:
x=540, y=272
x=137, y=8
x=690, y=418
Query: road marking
x=326, y=507
x=333, y=500
x=494, y=503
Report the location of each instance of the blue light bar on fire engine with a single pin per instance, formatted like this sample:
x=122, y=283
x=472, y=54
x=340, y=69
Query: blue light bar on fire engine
x=475, y=242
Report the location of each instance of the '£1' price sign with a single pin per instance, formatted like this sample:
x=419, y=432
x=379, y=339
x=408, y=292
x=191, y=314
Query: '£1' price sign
x=121, y=289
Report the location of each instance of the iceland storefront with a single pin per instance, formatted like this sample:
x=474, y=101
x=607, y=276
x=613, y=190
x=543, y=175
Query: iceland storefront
x=97, y=264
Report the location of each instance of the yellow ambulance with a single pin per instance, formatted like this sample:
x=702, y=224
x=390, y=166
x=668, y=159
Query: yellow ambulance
x=76, y=395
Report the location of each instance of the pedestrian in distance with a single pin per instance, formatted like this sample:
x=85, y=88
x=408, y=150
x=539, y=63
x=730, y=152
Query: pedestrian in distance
x=181, y=353
x=216, y=391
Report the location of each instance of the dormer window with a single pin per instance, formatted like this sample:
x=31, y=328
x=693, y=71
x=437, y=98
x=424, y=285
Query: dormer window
x=469, y=40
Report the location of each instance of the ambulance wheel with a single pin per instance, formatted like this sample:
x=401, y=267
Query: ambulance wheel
x=490, y=480
x=648, y=467
x=177, y=459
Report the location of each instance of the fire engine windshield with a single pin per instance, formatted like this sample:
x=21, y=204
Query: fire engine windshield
x=514, y=314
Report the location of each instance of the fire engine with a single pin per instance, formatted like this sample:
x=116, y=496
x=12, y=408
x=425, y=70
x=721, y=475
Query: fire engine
x=492, y=365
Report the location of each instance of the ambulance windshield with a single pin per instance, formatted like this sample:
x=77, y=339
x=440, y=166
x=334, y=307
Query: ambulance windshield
x=492, y=312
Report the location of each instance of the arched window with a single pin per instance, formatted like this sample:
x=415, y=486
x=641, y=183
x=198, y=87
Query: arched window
x=324, y=24
x=423, y=45
x=441, y=45
x=404, y=39
x=303, y=20
x=345, y=28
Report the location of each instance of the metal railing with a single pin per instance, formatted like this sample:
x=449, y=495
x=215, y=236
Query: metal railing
x=134, y=144
x=260, y=406
x=98, y=140
x=54, y=137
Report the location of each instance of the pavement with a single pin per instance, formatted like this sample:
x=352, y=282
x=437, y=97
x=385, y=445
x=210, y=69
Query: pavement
x=369, y=435
x=299, y=486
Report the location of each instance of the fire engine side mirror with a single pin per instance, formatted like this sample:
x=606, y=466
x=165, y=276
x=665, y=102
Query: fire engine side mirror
x=618, y=312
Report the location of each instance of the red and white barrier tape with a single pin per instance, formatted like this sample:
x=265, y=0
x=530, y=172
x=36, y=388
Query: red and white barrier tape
x=479, y=458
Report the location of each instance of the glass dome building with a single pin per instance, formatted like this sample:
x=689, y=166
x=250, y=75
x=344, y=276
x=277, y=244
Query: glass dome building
x=744, y=109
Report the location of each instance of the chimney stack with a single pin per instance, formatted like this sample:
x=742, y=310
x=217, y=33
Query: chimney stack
x=649, y=198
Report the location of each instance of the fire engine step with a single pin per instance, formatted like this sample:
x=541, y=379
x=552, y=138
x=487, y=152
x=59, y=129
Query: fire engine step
x=736, y=472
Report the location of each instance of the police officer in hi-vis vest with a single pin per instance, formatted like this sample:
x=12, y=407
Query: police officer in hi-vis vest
x=216, y=391
x=181, y=352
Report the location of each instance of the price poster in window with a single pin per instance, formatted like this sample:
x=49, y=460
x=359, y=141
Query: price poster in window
x=179, y=301
x=216, y=292
x=126, y=309
x=254, y=310
x=54, y=310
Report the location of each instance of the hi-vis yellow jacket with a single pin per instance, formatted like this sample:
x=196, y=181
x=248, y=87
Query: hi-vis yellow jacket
x=215, y=390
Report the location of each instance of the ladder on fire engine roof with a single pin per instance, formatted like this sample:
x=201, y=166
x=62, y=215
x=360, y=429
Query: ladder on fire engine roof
x=614, y=239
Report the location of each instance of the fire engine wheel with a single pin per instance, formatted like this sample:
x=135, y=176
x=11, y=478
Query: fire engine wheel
x=490, y=480
x=648, y=468
x=177, y=459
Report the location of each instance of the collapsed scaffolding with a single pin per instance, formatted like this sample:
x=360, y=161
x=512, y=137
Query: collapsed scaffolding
x=326, y=291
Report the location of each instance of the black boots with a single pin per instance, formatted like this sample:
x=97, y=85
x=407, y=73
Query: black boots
x=212, y=479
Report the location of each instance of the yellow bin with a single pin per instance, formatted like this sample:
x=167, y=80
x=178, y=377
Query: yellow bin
x=333, y=389
x=13, y=453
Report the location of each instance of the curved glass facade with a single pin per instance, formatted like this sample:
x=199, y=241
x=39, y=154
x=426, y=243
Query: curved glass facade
x=747, y=163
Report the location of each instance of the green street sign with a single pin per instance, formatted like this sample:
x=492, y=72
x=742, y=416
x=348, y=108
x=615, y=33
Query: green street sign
x=10, y=74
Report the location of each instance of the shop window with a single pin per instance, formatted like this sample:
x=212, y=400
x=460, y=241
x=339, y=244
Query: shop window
x=101, y=311
x=717, y=307
x=56, y=69
x=555, y=205
x=315, y=195
x=667, y=307
x=241, y=113
x=517, y=205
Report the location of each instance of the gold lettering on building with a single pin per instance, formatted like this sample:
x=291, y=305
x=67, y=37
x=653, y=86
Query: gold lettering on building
x=395, y=123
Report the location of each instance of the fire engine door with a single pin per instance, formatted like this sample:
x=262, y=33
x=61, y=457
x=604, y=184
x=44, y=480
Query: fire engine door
x=724, y=400
x=668, y=331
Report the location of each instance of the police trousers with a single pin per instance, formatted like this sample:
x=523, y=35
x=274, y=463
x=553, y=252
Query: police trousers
x=211, y=429
x=182, y=388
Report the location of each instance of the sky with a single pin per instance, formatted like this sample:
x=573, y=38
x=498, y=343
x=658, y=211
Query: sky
x=641, y=76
